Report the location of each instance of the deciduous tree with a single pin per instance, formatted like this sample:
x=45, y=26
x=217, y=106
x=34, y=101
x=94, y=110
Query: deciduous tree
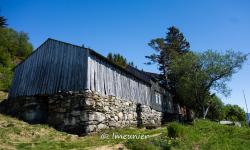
x=196, y=74
x=234, y=113
x=14, y=47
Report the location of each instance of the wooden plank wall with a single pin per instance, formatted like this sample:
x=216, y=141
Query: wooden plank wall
x=107, y=80
x=54, y=66
x=167, y=102
x=58, y=66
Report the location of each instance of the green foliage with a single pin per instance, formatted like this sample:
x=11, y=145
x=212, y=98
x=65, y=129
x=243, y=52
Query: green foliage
x=138, y=145
x=5, y=57
x=175, y=130
x=211, y=135
x=24, y=47
x=216, y=109
x=191, y=76
x=234, y=113
x=173, y=44
x=160, y=143
x=5, y=78
x=14, y=47
x=15, y=43
x=195, y=74
x=219, y=68
x=119, y=60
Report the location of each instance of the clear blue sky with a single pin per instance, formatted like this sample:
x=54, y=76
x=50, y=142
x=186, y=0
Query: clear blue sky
x=126, y=26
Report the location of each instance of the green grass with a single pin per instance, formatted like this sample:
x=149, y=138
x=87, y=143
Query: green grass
x=16, y=134
x=210, y=135
x=3, y=95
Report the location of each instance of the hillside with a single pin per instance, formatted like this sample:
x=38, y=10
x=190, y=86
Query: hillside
x=16, y=134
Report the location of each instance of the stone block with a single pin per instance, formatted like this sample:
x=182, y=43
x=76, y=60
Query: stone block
x=116, y=118
x=130, y=117
x=112, y=124
x=120, y=115
x=97, y=116
x=106, y=108
x=101, y=126
x=89, y=102
x=91, y=128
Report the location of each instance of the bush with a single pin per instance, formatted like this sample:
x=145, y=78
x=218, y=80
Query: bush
x=175, y=130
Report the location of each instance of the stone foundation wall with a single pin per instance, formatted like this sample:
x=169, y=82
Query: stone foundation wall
x=87, y=111
x=32, y=109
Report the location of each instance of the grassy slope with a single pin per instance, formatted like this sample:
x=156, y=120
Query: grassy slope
x=3, y=95
x=15, y=134
x=210, y=135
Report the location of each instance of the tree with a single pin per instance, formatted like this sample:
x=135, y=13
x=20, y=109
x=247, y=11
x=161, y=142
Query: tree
x=5, y=57
x=119, y=60
x=234, y=113
x=216, y=109
x=5, y=78
x=15, y=43
x=3, y=23
x=24, y=47
x=173, y=44
x=14, y=47
x=196, y=74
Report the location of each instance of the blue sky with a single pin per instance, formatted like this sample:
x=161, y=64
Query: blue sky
x=126, y=26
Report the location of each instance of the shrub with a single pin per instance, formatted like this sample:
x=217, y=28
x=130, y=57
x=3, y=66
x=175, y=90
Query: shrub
x=175, y=130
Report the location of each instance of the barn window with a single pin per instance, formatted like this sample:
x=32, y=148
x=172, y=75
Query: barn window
x=158, y=98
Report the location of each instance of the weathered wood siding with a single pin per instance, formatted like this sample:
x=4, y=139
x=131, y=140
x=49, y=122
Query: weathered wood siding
x=58, y=66
x=54, y=66
x=166, y=101
x=109, y=80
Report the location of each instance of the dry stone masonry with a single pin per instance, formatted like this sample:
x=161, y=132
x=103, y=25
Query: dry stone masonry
x=84, y=112
x=88, y=111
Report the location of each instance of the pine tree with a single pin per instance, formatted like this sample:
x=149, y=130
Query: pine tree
x=2, y=22
x=173, y=44
x=167, y=49
x=119, y=60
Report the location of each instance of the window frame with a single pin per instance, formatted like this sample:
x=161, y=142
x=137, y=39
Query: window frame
x=158, y=97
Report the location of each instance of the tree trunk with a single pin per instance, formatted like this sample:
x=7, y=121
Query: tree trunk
x=205, y=111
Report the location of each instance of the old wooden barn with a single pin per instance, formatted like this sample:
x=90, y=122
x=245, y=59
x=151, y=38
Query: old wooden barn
x=58, y=67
